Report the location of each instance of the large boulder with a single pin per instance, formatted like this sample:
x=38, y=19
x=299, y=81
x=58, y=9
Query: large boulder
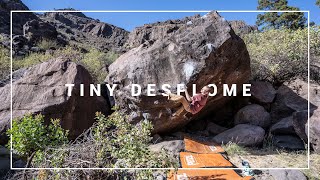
x=315, y=131
x=284, y=127
x=41, y=89
x=286, y=102
x=202, y=51
x=253, y=114
x=242, y=134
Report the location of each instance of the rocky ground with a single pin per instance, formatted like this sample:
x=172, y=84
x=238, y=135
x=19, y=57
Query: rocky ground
x=269, y=128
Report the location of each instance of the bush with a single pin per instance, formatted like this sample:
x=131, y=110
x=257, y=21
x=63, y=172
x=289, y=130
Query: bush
x=48, y=44
x=29, y=134
x=124, y=145
x=4, y=62
x=96, y=62
x=112, y=142
x=278, y=55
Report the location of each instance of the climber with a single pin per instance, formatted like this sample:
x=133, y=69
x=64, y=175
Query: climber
x=191, y=104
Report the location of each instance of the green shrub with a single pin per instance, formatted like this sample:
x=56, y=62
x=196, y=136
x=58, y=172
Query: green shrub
x=29, y=134
x=4, y=62
x=125, y=145
x=96, y=61
x=48, y=44
x=278, y=55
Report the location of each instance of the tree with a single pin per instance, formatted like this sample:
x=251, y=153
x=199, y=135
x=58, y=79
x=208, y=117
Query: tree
x=291, y=20
x=318, y=3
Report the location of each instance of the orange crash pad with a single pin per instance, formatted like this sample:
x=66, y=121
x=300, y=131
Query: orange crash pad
x=193, y=160
x=202, y=147
x=190, y=174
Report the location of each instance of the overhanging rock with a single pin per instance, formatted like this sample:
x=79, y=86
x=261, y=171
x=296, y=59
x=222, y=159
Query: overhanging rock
x=198, y=50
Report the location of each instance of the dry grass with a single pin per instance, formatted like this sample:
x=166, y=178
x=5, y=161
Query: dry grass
x=266, y=157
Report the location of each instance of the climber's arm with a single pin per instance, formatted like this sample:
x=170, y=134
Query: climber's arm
x=188, y=97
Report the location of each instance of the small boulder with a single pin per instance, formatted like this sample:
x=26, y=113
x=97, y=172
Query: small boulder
x=300, y=123
x=262, y=92
x=173, y=147
x=242, y=134
x=289, y=142
x=284, y=126
x=253, y=114
x=287, y=174
x=215, y=129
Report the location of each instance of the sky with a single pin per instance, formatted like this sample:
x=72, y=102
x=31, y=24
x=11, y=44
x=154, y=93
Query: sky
x=129, y=21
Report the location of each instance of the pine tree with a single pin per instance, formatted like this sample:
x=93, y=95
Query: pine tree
x=291, y=20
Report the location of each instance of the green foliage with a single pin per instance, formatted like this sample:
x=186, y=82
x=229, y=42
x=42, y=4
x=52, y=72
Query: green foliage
x=318, y=3
x=126, y=145
x=96, y=62
x=279, y=55
x=29, y=134
x=291, y=20
x=48, y=44
x=234, y=149
x=4, y=62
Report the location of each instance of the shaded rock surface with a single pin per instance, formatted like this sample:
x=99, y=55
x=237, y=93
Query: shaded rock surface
x=253, y=114
x=287, y=102
x=315, y=131
x=242, y=134
x=290, y=142
x=262, y=92
x=215, y=129
x=41, y=89
x=284, y=126
x=201, y=52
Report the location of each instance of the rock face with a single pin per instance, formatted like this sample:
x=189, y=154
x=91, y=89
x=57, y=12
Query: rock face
x=36, y=30
x=202, y=51
x=41, y=89
x=242, y=134
x=240, y=27
x=18, y=19
x=78, y=28
x=253, y=114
